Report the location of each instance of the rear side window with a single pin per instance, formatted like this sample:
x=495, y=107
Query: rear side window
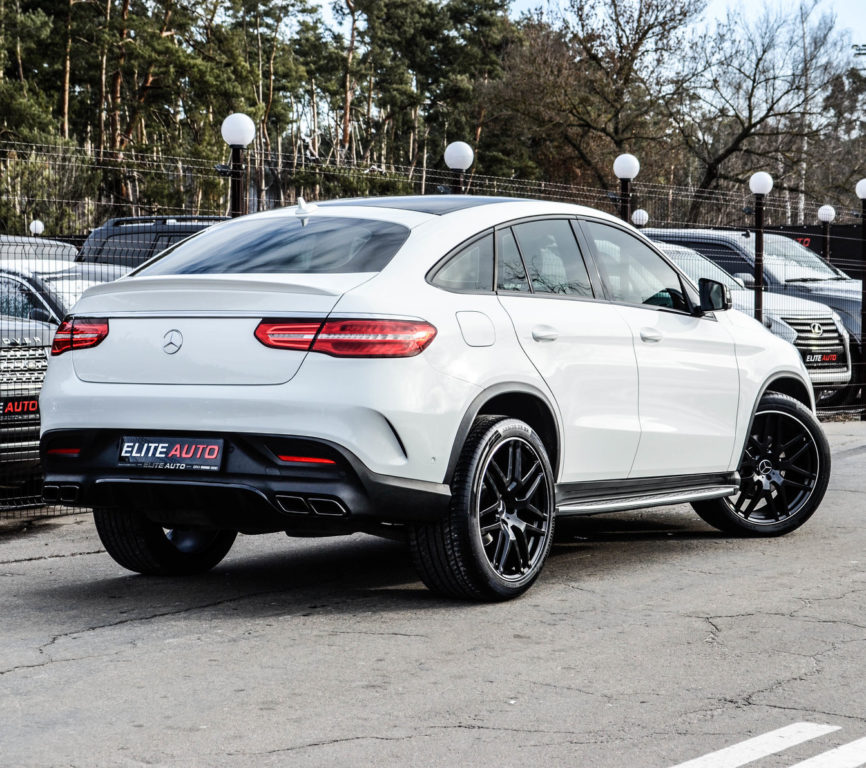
x=469, y=270
x=284, y=244
x=129, y=248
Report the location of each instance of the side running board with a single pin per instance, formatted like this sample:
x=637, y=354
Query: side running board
x=599, y=505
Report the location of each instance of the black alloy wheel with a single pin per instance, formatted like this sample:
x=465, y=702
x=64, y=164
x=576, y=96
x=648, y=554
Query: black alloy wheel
x=784, y=473
x=493, y=543
x=514, y=508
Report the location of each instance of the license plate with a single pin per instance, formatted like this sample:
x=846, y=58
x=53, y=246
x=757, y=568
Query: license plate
x=18, y=406
x=171, y=453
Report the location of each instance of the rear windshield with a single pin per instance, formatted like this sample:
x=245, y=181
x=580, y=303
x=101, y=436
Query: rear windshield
x=288, y=244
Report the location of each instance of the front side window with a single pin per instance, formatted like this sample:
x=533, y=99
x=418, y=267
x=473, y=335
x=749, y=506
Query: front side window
x=283, y=245
x=552, y=258
x=471, y=269
x=633, y=272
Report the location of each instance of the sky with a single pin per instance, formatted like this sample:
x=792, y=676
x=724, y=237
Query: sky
x=850, y=14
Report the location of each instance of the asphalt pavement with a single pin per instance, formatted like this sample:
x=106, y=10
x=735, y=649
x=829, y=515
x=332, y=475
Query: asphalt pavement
x=650, y=641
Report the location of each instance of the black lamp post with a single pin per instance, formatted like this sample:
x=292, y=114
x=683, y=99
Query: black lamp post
x=625, y=168
x=826, y=214
x=238, y=130
x=760, y=183
x=458, y=157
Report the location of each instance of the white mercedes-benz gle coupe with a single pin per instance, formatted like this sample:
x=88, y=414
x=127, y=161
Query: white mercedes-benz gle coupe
x=458, y=371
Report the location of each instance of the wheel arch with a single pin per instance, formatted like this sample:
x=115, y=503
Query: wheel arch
x=783, y=383
x=792, y=386
x=517, y=401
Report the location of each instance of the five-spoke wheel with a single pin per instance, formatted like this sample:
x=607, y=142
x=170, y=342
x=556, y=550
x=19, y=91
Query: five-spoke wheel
x=513, y=499
x=498, y=533
x=784, y=472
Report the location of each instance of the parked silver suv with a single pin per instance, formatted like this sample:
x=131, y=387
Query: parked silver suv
x=815, y=330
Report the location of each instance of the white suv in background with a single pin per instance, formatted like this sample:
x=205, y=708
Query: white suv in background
x=814, y=329
x=459, y=371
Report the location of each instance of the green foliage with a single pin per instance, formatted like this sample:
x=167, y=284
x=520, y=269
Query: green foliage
x=136, y=83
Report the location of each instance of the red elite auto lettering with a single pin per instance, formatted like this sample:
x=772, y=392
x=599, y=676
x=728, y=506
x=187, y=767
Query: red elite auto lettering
x=22, y=406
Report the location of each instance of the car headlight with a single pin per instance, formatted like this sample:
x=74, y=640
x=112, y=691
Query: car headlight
x=840, y=323
x=780, y=328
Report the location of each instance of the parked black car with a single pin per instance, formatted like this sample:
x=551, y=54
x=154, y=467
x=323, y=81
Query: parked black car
x=133, y=240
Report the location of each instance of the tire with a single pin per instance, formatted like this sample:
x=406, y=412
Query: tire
x=140, y=545
x=498, y=532
x=784, y=473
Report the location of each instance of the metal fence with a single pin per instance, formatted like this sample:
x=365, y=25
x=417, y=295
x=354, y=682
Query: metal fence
x=101, y=215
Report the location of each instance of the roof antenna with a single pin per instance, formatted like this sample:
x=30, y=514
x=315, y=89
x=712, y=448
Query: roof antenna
x=304, y=210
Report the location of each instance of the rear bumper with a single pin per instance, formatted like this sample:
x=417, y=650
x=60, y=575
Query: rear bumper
x=253, y=491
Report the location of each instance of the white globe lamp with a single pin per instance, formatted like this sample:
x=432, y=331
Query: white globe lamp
x=238, y=130
x=640, y=218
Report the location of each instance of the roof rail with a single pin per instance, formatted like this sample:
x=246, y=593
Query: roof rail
x=127, y=220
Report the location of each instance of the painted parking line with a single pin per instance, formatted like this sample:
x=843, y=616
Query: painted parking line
x=851, y=755
x=762, y=746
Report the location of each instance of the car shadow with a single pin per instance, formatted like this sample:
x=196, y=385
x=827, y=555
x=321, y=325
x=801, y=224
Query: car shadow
x=355, y=574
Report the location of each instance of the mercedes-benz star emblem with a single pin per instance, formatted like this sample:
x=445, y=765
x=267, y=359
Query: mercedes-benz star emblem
x=172, y=341
x=765, y=467
x=817, y=329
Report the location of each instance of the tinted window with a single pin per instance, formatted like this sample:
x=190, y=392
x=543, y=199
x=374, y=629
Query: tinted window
x=284, y=244
x=16, y=300
x=469, y=270
x=552, y=257
x=697, y=266
x=633, y=272
x=128, y=248
x=723, y=255
x=510, y=274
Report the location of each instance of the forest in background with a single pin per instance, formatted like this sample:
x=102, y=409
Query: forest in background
x=554, y=95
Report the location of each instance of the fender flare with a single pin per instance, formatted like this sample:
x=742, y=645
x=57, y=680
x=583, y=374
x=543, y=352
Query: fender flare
x=485, y=396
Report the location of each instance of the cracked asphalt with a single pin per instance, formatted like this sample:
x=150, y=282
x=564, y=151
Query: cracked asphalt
x=649, y=640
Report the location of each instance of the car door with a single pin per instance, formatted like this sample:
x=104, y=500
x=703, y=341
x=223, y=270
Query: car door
x=581, y=347
x=689, y=379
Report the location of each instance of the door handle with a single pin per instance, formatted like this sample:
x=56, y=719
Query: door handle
x=544, y=333
x=650, y=334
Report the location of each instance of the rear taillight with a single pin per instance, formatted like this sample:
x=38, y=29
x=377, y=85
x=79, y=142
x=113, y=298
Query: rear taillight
x=349, y=338
x=290, y=334
x=373, y=338
x=79, y=333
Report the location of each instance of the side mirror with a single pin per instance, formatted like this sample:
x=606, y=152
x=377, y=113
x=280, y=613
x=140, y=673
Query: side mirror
x=42, y=316
x=714, y=296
